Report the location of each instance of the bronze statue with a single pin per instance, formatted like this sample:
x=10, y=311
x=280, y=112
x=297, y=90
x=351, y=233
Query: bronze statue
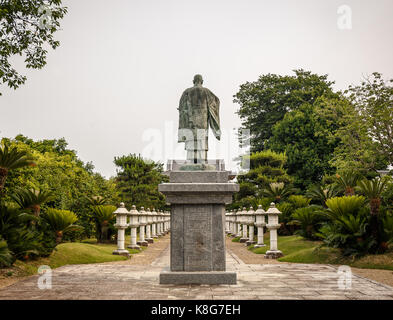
x=198, y=110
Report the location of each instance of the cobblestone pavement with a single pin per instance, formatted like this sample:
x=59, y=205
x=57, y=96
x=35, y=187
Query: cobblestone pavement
x=255, y=281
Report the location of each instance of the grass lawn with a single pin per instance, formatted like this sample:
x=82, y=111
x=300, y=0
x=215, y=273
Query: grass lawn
x=71, y=253
x=87, y=251
x=297, y=249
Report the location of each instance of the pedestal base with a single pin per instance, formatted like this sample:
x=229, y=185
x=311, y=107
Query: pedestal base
x=242, y=240
x=197, y=277
x=150, y=240
x=249, y=242
x=143, y=243
x=136, y=247
x=260, y=245
x=121, y=252
x=273, y=254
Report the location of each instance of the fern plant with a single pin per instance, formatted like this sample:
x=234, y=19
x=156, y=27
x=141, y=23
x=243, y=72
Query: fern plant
x=6, y=258
x=320, y=193
x=60, y=221
x=309, y=219
x=11, y=159
x=104, y=218
x=278, y=190
x=31, y=199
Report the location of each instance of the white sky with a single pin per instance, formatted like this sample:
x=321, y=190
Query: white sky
x=123, y=64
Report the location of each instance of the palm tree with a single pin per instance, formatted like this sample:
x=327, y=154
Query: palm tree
x=60, y=221
x=96, y=200
x=31, y=199
x=12, y=159
x=372, y=190
x=278, y=191
x=103, y=216
x=6, y=258
x=344, y=206
x=347, y=181
x=321, y=194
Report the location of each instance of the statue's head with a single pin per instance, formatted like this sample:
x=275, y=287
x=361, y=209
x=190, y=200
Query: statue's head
x=198, y=79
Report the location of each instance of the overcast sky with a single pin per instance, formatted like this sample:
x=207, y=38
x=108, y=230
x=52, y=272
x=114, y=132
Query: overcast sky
x=123, y=64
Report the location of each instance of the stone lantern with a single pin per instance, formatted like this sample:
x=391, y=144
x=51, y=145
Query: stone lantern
x=233, y=225
x=250, y=223
x=133, y=224
x=273, y=225
x=159, y=218
x=142, y=225
x=163, y=223
x=149, y=221
x=121, y=225
x=227, y=217
x=166, y=223
x=243, y=222
x=238, y=223
x=154, y=224
x=260, y=224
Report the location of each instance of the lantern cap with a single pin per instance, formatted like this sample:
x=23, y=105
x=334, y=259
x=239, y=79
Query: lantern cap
x=133, y=211
x=121, y=209
x=273, y=209
x=251, y=211
x=260, y=210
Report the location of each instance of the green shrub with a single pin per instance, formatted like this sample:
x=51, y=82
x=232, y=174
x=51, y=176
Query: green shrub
x=286, y=209
x=299, y=201
x=60, y=222
x=309, y=219
x=104, y=219
x=6, y=258
x=348, y=226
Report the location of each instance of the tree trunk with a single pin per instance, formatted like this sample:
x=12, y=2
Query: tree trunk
x=349, y=191
x=59, y=237
x=375, y=204
x=3, y=177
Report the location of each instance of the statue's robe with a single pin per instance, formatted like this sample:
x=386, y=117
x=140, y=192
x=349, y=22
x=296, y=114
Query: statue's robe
x=198, y=110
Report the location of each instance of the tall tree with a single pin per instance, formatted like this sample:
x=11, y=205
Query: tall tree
x=265, y=102
x=366, y=128
x=307, y=136
x=26, y=27
x=373, y=100
x=138, y=181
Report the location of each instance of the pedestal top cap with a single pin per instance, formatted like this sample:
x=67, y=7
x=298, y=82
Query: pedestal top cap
x=121, y=210
x=133, y=211
x=273, y=209
x=260, y=210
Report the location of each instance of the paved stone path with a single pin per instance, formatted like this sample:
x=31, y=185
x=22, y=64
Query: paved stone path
x=129, y=280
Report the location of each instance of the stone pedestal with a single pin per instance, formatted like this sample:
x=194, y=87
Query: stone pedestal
x=198, y=201
x=121, y=224
x=250, y=240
